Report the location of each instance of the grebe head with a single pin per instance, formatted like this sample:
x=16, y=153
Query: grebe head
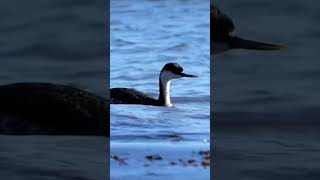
x=223, y=36
x=169, y=72
x=173, y=71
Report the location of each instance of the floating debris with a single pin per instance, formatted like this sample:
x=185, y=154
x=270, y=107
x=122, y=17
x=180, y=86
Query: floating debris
x=172, y=163
x=192, y=162
x=205, y=163
x=205, y=153
x=206, y=158
x=154, y=157
x=121, y=161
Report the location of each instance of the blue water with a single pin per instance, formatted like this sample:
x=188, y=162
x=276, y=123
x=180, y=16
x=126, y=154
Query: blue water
x=53, y=157
x=144, y=36
x=55, y=41
x=279, y=84
x=267, y=103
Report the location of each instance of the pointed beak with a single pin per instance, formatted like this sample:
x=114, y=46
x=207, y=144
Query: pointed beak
x=239, y=43
x=187, y=75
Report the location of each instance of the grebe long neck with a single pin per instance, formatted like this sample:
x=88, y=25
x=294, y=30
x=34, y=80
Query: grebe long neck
x=164, y=89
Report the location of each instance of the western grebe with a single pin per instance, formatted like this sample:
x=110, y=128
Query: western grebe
x=131, y=96
x=223, y=37
x=43, y=108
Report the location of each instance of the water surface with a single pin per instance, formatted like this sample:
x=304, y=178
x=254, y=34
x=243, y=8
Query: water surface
x=145, y=35
x=267, y=103
x=55, y=41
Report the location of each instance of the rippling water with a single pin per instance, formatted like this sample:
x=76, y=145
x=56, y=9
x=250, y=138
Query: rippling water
x=145, y=35
x=282, y=85
x=268, y=102
x=53, y=157
x=56, y=41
